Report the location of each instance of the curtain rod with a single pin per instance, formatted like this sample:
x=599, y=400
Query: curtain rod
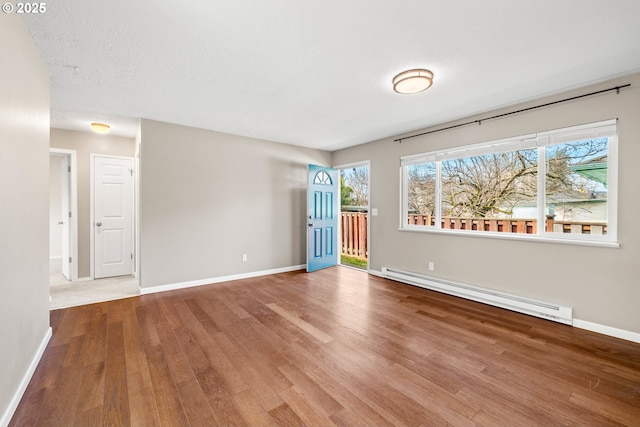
x=479, y=121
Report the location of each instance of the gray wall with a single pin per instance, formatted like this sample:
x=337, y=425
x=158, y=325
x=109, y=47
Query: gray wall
x=209, y=197
x=85, y=144
x=601, y=284
x=24, y=191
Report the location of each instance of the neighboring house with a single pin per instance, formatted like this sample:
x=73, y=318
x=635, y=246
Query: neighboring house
x=586, y=205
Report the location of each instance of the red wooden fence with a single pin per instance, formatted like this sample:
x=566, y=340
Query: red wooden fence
x=510, y=225
x=354, y=228
x=354, y=233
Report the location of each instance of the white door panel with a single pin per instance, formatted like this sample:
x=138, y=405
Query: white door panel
x=113, y=217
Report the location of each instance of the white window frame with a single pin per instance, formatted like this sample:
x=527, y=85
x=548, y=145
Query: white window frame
x=540, y=140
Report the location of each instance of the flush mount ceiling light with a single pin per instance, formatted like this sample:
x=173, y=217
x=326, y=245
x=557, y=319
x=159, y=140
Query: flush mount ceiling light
x=100, y=128
x=413, y=81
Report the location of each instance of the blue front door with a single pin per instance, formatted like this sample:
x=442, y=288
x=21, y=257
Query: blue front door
x=322, y=217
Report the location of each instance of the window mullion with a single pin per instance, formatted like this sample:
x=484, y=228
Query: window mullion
x=612, y=179
x=541, y=193
x=404, y=195
x=438, y=204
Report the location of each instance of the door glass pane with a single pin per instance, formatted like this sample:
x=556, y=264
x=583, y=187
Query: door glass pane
x=322, y=178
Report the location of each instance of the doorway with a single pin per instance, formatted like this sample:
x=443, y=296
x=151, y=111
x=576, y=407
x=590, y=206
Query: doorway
x=63, y=222
x=354, y=215
x=83, y=288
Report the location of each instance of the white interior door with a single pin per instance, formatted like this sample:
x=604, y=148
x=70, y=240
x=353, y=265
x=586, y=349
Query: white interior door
x=113, y=216
x=65, y=210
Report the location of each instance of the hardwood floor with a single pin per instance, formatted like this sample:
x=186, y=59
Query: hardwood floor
x=335, y=347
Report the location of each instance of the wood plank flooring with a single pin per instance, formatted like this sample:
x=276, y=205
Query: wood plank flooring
x=335, y=347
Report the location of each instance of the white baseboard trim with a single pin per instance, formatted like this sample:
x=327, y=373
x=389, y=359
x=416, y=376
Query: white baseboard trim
x=182, y=285
x=84, y=279
x=55, y=257
x=17, y=395
x=582, y=324
x=607, y=330
x=375, y=273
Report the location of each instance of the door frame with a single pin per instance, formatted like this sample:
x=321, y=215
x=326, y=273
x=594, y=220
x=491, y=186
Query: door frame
x=366, y=163
x=92, y=229
x=73, y=206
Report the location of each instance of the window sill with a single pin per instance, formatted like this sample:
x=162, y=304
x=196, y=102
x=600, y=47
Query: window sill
x=513, y=236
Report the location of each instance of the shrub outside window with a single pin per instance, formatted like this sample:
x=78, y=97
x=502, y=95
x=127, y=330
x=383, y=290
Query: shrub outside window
x=559, y=184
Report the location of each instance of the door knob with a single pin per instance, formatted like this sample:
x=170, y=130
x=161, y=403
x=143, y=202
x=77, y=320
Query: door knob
x=98, y=224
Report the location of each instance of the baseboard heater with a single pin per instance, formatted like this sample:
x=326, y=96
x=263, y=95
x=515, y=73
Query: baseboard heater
x=541, y=309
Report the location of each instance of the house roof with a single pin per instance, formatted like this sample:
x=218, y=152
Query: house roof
x=595, y=169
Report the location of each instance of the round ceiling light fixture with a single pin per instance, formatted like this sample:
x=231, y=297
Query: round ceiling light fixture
x=100, y=128
x=413, y=81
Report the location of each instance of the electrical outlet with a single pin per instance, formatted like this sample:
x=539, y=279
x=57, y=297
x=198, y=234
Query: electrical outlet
x=244, y=257
x=431, y=266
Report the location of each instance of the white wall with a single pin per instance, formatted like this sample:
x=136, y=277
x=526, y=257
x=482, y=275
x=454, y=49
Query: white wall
x=209, y=197
x=55, y=199
x=601, y=284
x=24, y=191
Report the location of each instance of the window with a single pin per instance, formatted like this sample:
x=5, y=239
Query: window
x=576, y=186
x=322, y=178
x=421, y=199
x=558, y=184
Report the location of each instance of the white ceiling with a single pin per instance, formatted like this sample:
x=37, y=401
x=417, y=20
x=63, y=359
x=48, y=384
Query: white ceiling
x=318, y=73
